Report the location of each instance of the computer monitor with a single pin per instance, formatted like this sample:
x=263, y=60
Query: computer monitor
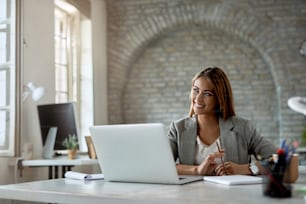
x=62, y=116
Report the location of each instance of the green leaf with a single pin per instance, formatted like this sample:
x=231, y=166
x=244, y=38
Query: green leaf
x=71, y=142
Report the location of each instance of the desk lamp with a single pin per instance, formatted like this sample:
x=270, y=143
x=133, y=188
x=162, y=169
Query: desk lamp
x=298, y=104
x=36, y=91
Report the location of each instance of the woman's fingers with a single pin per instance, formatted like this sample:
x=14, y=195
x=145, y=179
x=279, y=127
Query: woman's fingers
x=208, y=166
x=228, y=168
x=217, y=155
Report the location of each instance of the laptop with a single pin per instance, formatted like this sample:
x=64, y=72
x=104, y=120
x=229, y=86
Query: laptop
x=138, y=153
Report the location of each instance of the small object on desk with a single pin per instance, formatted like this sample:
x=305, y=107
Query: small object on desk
x=90, y=146
x=83, y=176
x=280, y=171
x=234, y=179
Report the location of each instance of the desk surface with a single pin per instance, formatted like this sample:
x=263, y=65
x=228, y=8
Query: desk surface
x=99, y=191
x=60, y=161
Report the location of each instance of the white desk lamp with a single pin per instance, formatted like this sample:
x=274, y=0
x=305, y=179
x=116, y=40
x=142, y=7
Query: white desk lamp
x=298, y=104
x=37, y=92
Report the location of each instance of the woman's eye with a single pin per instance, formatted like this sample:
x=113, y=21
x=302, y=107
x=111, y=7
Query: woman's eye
x=195, y=90
x=207, y=94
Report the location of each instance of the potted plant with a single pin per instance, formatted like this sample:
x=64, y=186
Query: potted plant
x=71, y=143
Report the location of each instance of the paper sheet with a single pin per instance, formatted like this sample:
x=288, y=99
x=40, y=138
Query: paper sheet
x=83, y=176
x=234, y=179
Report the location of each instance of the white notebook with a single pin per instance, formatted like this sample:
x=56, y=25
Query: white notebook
x=83, y=176
x=234, y=179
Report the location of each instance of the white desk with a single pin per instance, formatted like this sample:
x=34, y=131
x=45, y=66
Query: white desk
x=302, y=155
x=56, y=162
x=77, y=192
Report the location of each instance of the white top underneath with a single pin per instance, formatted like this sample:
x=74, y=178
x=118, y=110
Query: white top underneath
x=203, y=150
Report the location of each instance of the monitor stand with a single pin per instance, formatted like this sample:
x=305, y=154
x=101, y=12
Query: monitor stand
x=49, y=144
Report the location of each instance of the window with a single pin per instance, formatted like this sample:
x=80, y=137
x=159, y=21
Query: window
x=73, y=64
x=7, y=76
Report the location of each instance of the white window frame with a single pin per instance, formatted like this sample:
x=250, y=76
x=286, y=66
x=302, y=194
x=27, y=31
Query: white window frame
x=67, y=56
x=78, y=67
x=7, y=130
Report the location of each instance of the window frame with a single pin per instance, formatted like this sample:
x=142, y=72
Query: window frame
x=72, y=66
x=11, y=106
x=76, y=77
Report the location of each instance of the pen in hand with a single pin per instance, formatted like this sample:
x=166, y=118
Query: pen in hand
x=221, y=158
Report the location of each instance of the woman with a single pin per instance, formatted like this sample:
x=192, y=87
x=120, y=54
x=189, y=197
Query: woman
x=212, y=140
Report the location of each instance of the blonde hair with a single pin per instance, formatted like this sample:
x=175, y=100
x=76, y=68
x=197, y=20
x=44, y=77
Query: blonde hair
x=222, y=90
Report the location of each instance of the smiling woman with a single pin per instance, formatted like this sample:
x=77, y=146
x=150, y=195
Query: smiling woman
x=212, y=140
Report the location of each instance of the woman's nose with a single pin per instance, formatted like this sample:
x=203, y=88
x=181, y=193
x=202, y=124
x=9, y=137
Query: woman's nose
x=198, y=97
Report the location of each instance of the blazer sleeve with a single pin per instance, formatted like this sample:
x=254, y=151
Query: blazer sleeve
x=241, y=140
x=259, y=145
x=173, y=138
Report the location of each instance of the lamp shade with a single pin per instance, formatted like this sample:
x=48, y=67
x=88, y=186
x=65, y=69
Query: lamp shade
x=297, y=104
x=37, y=92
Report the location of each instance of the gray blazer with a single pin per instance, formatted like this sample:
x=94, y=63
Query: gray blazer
x=238, y=137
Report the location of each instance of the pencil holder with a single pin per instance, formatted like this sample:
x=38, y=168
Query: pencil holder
x=273, y=182
x=292, y=172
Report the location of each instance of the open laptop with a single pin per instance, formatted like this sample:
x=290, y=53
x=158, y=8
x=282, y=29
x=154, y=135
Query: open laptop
x=136, y=153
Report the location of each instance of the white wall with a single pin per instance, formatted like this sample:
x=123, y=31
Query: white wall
x=38, y=66
x=99, y=15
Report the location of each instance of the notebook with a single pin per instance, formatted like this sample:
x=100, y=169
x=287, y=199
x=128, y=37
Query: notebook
x=234, y=179
x=83, y=176
x=136, y=153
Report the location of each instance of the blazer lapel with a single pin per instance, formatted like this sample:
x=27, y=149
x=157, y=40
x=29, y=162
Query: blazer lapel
x=228, y=139
x=225, y=128
x=188, y=139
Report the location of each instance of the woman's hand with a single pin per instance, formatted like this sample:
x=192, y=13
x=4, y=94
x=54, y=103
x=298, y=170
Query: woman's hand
x=208, y=166
x=232, y=168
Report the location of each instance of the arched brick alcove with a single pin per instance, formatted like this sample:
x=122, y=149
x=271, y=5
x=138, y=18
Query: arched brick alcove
x=140, y=58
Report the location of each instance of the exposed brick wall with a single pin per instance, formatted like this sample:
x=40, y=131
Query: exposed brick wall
x=155, y=47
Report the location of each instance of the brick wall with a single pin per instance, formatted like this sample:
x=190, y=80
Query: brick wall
x=156, y=46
